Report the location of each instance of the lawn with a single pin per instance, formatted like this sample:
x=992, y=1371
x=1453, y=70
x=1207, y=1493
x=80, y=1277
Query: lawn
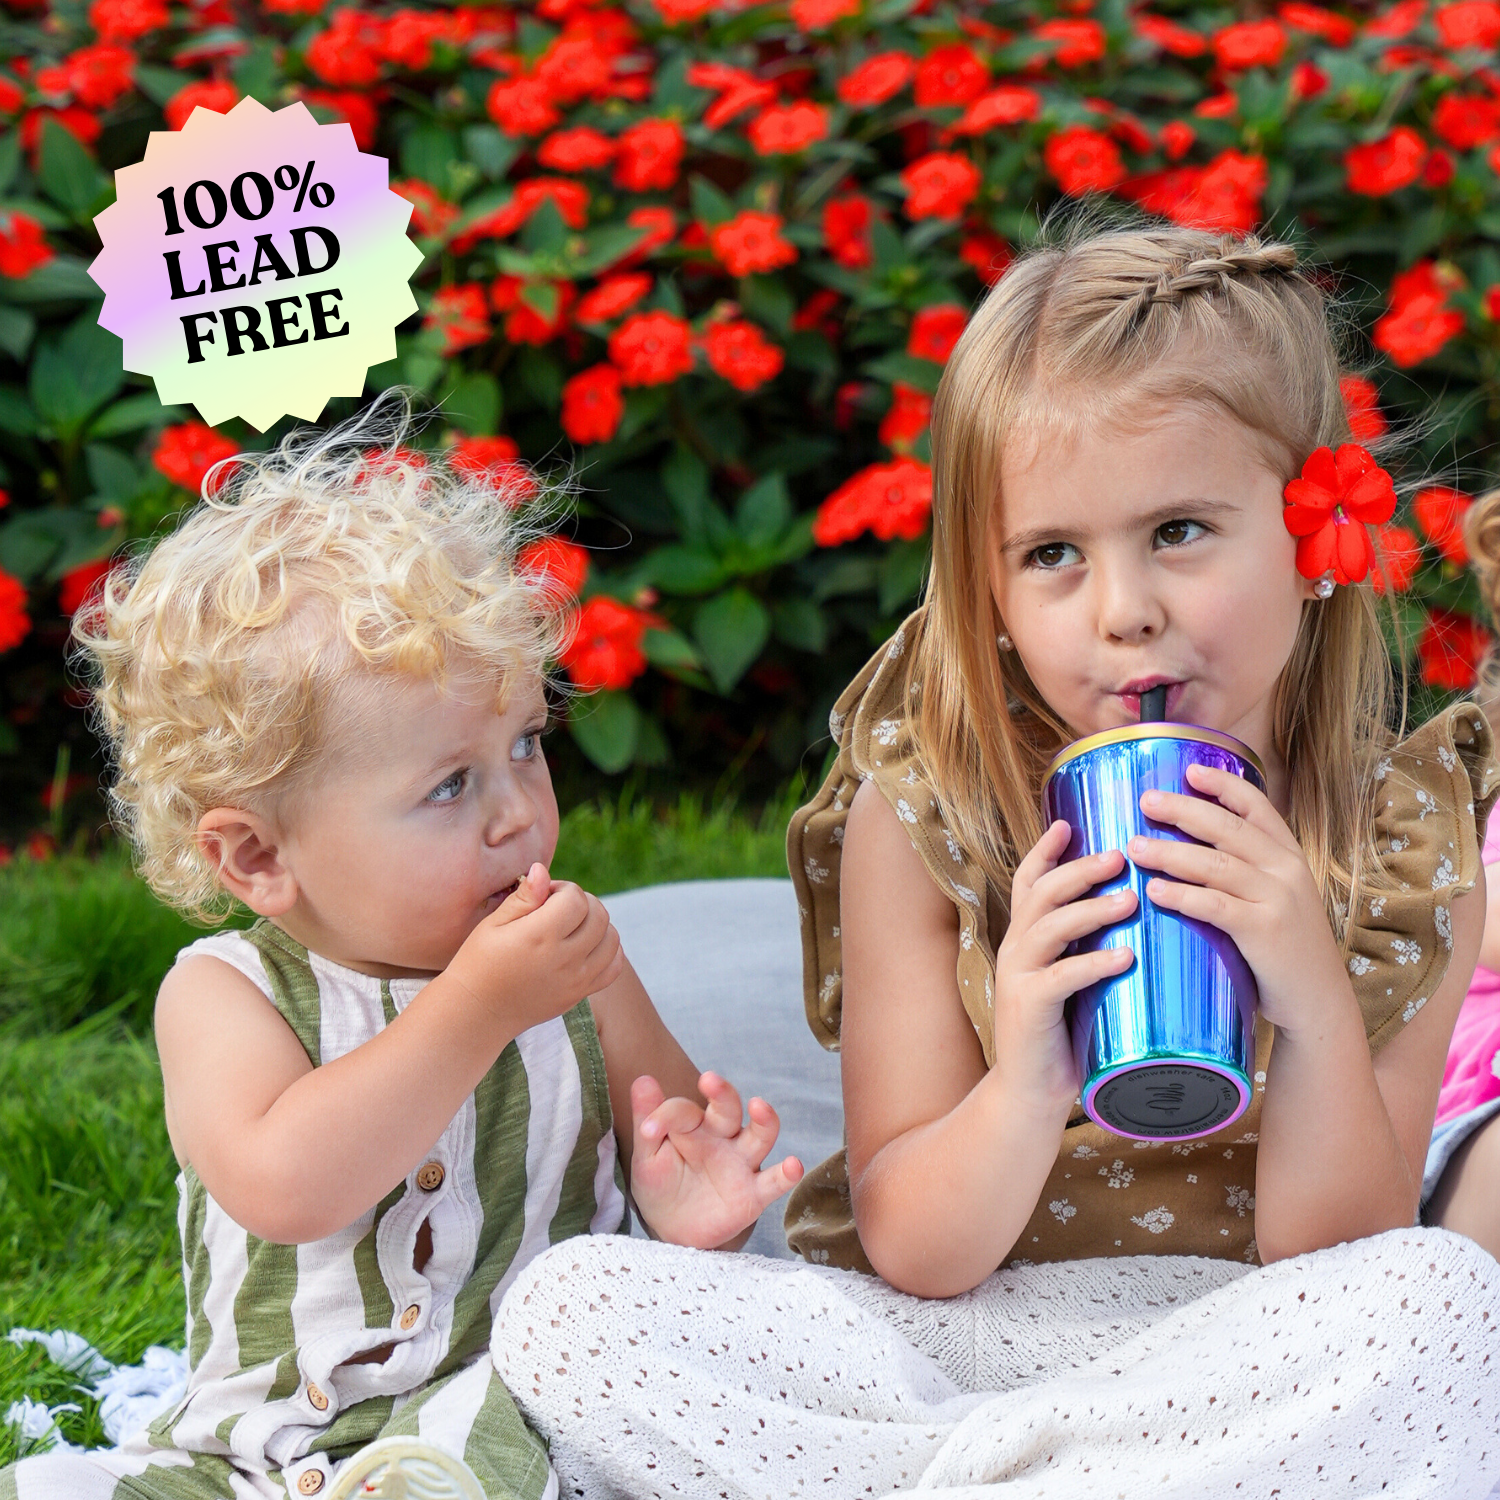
x=88, y=1236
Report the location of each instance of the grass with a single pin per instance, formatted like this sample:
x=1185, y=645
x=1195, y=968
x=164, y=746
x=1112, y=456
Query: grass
x=88, y=1234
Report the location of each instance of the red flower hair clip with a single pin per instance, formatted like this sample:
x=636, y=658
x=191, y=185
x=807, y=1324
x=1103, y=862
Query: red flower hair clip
x=1328, y=508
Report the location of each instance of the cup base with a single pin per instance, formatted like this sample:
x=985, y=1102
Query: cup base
x=1166, y=1098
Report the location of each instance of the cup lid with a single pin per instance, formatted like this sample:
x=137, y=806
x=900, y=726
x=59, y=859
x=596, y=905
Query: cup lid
x=1154, y=729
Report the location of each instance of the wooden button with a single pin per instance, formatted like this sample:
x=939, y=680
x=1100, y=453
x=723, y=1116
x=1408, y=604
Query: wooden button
x=410, y=1316
x=318, y=1399
x=430, y=1176
x=310, y=1481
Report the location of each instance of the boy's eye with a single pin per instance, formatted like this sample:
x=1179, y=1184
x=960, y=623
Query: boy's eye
x=1050, y=556
x=526, y=747
x=1177, y=533
x=449, y=789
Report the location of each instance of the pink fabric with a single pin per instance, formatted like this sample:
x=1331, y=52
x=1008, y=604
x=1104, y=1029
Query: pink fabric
x=1470, y=1078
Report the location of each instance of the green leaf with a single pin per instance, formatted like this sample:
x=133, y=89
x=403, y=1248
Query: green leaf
x=710, y=205
x=10, y=741
x=542, y=376
x=38, y=542
x=256, y=71
x=64, y=278
x=685, y=476
x=68, y=175
x=545, y=232
x=764, y=511
x=768, y=301
x=801, y=624
x=493, y=153
x=111, y=472
x=16, y=329
x=796, y=453
x=542, y=298
x=10, y=158
x=72, y=377
x=810, y=351
x=134, y=413
x=603, y=247
x=731, y=630
x=426, y=153
x=651, y=747
x=16, y=415
x=682, y=570
x=923, y=374
x=670, y=651
x=901, y=571
x=158, y=84
x=472, y=402
x=607, y=727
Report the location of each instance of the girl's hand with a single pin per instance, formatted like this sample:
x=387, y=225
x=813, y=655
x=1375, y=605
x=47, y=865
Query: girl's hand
x=695, y=1173
x=1249, y=878
x=1033, y=1051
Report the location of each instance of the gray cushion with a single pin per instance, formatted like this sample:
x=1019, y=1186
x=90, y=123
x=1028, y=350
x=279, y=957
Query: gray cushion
x=722, y=960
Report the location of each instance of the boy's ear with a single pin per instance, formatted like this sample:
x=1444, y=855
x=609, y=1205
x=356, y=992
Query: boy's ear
x=244, y=847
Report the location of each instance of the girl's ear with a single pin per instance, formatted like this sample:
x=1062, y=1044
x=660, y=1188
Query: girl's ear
x=249, y=859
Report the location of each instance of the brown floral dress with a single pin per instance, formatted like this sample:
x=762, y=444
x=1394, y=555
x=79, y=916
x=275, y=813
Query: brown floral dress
x=1108, y=1195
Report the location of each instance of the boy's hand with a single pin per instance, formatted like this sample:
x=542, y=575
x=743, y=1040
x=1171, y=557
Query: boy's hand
x=695, y=1172
x=544, y=948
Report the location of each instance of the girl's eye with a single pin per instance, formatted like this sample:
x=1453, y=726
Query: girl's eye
x=526, y=747
x=1179, y=533
x=450, y=788
x=1050, y=557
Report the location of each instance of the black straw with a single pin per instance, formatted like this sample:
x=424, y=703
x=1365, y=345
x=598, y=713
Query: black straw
x=1154, y=704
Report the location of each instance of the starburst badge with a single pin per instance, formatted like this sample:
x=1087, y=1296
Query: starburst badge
x=255, y=263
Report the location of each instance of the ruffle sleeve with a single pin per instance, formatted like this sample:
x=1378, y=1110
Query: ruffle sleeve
x=1434, y=792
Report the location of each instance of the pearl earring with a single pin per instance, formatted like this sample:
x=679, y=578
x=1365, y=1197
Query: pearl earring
x=1004, y=642
x=1323, y=588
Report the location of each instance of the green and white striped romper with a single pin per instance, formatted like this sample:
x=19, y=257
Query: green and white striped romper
x=279, y=1393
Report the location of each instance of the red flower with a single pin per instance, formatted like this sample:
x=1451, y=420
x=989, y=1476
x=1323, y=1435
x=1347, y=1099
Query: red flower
x=659, y=224
x=355, y=109
x=1383, y=166
x=987, y=253
x=876, y=79
x=652, y=349
x=1465, y=122
x=124, y=20
x=185, y=453
x=1418, y=323
x=15, y=623
x=1250, y=44
x=814, y=15
x=346, y=55
x=78, y=583
x=1170, y=37
x=935, y=330
x=891, y=500
x=1218, y=107
x=649, y=156
x=1010, y=104
x=784, y=129
x=524, y=324
x=1469, y=23
x=462, y=316
x=1451, y=649
x=604, y=646
x=1438, y=170
x=592, y=405
x=676, y=12
x=816, y=315
x=1223, y=195
x=493, y=461
x=431, y=214
x=846, y=230
x=95, y=76
x=1399, y=555
x=1083, y=161
x=408, y=35
x=742, y=354
x=559, y=565
x=581, y=149
x=1177, y=138
x=1308, y=81
x=751, y=242
x=1492, y=303
x=521, y=106
x=11, y=98
x=1440, y=513
x=613, y=297
x=572, y=68
x=1398, y=20
x=1329, y=507
x=906, y=421
x=950, y=75
x=940, y=185
x=738, y=91
x=1078, y=42
x=23, y=245
x=1317, y=21
x=1361, y=403
x=217, y=94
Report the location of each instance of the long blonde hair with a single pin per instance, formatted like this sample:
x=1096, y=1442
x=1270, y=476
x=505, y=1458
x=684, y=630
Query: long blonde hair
x=1077, y=329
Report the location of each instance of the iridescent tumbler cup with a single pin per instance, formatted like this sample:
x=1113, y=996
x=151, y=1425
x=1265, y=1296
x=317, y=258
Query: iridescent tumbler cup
x=1166, y=1048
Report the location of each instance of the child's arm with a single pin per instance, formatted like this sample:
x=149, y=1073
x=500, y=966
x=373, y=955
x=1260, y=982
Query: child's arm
x=292, y=1152
x=1342, y=1138
x=692, y=1164
x=1489, y=949
x=947, y=1159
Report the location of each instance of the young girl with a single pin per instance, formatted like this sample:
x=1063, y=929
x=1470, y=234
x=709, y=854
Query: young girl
x=1462, y=1184
x=1112, y=440
x=324, y=697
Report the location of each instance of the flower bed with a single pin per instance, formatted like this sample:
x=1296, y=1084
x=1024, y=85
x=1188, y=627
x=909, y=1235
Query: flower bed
x=715, y=255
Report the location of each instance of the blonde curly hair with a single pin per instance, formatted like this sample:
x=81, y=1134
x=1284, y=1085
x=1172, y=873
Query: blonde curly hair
x=225, y=659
